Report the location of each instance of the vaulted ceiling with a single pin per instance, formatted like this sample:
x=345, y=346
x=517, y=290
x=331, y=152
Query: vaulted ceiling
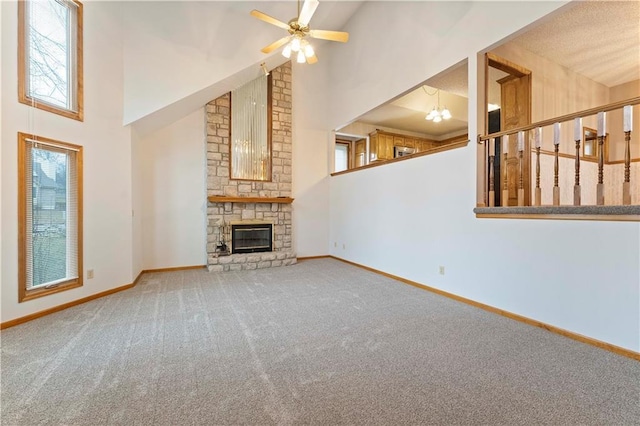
x=201, y=49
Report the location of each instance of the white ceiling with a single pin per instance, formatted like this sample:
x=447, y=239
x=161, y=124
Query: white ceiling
x=598, y=39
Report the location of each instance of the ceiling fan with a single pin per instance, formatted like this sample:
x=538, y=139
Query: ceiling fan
x=298, y=29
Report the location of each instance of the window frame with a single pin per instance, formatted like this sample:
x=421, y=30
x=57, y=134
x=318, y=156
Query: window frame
x=76, y=78
x=347, y=145
x=25, y=294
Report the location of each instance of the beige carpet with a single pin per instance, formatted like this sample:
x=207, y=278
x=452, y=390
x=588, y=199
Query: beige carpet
x=321, y=342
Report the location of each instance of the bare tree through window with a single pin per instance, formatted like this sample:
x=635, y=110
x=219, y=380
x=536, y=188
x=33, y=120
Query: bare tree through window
x=50, y=56
x=49, y=61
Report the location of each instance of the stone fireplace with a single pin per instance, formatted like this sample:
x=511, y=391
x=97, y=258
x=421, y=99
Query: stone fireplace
x=235, y=202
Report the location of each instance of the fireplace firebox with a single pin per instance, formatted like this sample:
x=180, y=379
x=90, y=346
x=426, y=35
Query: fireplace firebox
x=251, y=238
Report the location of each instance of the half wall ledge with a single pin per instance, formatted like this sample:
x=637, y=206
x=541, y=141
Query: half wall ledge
x=605, y=213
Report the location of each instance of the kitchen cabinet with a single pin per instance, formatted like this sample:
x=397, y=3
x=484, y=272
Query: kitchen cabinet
x=381, y=144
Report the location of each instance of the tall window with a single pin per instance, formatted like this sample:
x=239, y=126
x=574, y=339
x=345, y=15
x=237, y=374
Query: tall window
x=50, y=216
x=50, y=56
x=251, y=130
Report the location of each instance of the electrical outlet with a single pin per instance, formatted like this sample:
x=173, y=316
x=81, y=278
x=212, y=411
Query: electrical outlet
x=344, y=246
x=89, y=274
x=335, y=244
x=441, y=270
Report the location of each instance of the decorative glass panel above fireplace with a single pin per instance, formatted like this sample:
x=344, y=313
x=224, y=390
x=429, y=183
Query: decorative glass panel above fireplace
x=251, y=130
x=251, y=238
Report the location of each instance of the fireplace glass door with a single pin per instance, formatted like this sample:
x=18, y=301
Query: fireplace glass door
x=251, y=238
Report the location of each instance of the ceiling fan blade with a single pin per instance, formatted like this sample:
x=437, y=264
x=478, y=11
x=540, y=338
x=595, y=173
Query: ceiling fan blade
x=330, y=35
x=312, y=59
x=273, y=46
x=308, y=9
x=269, y=19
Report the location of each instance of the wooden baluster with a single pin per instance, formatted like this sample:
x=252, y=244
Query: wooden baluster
x=521, y=180
x=537, y=137
x=602, y=134
x=505, y=188
x=556, y=170
x=538, y=189
x=556, y=165
x=627, y=127
x=600, y=187
x=492, y=156
x=626, y=185
x=576, y=188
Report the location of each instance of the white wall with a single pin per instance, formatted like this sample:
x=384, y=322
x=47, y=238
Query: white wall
x=173, y=193
x=583, y=276
x=2, y=38
x=310, y=160
x=107, y=159
x=137, y=191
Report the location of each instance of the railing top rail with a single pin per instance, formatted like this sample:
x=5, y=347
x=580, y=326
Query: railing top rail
x=562, y=118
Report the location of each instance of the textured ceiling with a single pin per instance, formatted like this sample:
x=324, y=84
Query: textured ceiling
x=598, y=39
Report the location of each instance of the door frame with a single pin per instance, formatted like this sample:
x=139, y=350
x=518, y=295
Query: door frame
x=515, y=71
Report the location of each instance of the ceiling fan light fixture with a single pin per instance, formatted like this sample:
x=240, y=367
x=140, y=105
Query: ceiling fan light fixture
x=308, y=51
x=286, y=52
x=295, y=44
x=298, y=29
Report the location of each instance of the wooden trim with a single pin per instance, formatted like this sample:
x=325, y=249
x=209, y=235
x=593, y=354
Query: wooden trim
x=563, y=118
x=24, y=294
x=23, y=97
x=80, y=61
x=507, y=66
x=443, y=148
x=633, y=160
x=73, y=303
x=588, y=159
x=324, y=256
x=140, y=274
x=460, y=138
x=596, y=217
x=22, y=215
x=64, y=306
x=172, y=269
x=570, y=156
x=566, y=333
x=273, y=200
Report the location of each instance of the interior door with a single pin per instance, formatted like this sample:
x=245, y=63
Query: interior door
x=515, y=111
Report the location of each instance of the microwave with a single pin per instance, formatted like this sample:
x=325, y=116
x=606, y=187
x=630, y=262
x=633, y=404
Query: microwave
x=401, y=151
